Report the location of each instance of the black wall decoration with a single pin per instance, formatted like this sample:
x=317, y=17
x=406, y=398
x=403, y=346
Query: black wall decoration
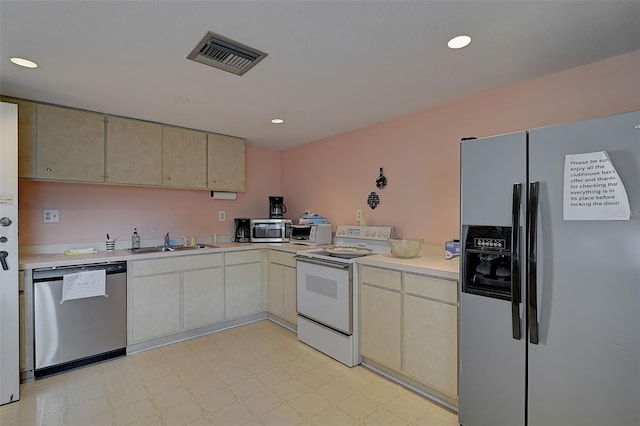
x=373, y=200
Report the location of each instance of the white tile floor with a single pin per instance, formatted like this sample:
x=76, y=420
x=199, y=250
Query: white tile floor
x=258, y=374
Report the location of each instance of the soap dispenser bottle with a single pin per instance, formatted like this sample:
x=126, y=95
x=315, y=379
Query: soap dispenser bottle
x=135, y=239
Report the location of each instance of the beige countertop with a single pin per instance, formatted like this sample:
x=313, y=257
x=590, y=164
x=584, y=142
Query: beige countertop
x=430, y=262
x=47, y=260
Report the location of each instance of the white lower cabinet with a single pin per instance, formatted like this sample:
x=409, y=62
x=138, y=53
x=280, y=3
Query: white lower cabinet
x=173, y=294
x=430, y=343
x=243, y=289
x=381, y=325
x=203, y=297
x=409, y=328
x=289, y=308
x=281, y=286
x=156, y=306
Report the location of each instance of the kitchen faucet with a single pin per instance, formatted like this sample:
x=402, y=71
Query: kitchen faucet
x=167, y=240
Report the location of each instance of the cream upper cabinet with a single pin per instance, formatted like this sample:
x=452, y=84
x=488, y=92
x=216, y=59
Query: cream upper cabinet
x=226, y=163
x=134, y=152
x=26, y=137
x=70, y=144
x=184, y=158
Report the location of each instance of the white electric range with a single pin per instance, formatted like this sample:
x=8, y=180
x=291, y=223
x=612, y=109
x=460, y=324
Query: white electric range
x=327, y=290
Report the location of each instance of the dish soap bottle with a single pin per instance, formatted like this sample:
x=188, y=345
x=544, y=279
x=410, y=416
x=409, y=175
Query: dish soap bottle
x=135, y=239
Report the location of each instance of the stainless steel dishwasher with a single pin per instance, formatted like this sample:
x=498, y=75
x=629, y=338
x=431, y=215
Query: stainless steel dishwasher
x=80, y=331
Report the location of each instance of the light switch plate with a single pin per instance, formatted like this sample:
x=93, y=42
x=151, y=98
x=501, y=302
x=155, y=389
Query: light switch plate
x=50, y=216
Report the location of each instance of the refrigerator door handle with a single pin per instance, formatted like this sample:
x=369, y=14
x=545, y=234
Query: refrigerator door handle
x=516, y=298
x=532, y=295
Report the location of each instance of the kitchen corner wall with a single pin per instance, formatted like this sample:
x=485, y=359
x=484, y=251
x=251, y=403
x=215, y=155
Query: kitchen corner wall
x=420, y=152
x=88, y=212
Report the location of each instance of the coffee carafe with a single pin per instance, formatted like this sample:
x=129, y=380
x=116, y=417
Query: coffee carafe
x=243, y=230
x=277, y=209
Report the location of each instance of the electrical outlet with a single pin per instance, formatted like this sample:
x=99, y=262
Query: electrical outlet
x=50, y=216
x=222, y=216
x=359, y=214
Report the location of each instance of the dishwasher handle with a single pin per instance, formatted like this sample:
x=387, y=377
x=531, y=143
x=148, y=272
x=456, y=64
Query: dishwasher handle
x=57, y=272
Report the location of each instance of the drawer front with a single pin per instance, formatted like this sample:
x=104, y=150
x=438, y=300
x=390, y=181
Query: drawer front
x=381, y=277
x=175, y=264
x=239, y=257
x=282, y=258
x=431, y=287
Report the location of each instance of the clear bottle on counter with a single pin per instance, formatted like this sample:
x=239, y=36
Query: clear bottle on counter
x=135, y=239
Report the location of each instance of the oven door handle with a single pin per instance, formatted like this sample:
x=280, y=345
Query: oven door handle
x=323, y=262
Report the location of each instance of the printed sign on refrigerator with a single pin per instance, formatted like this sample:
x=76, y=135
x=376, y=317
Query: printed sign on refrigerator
x=593, y=189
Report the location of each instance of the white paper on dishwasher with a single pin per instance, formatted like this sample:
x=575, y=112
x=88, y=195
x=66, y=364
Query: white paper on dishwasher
x=593, y=189
x=84, y=284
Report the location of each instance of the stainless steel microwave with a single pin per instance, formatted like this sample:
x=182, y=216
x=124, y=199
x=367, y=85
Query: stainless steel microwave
x=270, y=230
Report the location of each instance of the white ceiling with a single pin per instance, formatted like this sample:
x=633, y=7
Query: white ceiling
x=333, y=66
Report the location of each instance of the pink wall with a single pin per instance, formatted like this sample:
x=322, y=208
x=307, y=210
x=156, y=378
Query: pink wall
x=333, y=176
x=88, y=212
x=420, y=152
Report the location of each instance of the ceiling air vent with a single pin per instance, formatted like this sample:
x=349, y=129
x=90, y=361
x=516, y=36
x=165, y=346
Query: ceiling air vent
x=223, y=53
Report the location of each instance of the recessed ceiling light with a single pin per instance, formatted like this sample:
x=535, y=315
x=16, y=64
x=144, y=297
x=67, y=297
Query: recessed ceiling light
x=459, y=42
x=24, y=62
x=277, y=121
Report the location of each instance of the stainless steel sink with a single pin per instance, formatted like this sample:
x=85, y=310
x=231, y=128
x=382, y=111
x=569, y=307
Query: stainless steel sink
x=160, y=249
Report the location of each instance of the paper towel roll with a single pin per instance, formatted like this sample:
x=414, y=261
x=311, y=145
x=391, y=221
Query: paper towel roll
x=222, y=195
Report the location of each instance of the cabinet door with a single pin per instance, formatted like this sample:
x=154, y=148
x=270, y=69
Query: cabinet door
x=431, y=343
x=156, y=306
x=275, y=291
x=134, y=152
x=243, y=290
x=184, y=158
x=381, y=325
x=70, y=144
x=203, y=297
x=26, y=137
x=290, y=312
x=226, y=163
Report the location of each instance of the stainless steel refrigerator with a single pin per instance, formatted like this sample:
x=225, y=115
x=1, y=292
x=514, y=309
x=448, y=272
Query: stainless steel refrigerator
x=550, y=276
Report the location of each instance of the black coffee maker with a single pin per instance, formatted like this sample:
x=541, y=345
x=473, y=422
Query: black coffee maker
x=277, y=209
x=243, y=230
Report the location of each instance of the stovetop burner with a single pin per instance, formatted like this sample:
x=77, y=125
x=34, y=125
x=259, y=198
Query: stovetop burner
x=353, y=242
